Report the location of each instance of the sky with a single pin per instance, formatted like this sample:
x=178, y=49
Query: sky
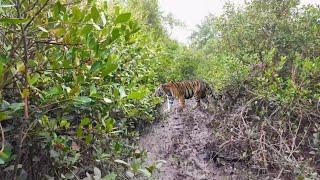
x=192, y=12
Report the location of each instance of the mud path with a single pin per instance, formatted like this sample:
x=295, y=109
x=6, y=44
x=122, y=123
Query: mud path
x=181, y=139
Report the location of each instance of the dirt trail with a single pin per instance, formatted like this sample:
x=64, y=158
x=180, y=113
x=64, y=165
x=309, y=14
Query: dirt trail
x=181, y=139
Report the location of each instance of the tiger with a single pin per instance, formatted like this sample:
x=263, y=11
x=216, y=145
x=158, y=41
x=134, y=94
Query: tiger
x=198, y=89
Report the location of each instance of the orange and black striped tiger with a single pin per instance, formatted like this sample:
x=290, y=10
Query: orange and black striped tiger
x=185, y=90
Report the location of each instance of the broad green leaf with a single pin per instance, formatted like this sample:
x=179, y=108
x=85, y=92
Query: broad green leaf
x=54, y=91
x=109, y=123
x=76, y=13
x=108, y=68
x=16, y=106
x=123, y=18
x=32, y=79
x=115, y=34
x=13, y=20
x=86, y=30
x=93, y=90
x=95, y=13
x=83, y=100
x=137, y=95
x=5, y=115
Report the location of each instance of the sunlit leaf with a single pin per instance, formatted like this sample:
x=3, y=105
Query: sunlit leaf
x=123, y=18
x=43, y=29
x=122, y=92
x=85, y=121
x=6, y=5
x=137, y=95
x=121, y=162
x=107, y=100
x=145, y=172
x=83, y=100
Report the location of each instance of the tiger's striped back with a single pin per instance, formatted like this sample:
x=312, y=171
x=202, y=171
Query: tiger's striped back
x=185, y=90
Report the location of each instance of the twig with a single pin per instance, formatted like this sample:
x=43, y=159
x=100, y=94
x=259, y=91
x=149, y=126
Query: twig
x=36, y=14
x=3, y=139
x=57, y=43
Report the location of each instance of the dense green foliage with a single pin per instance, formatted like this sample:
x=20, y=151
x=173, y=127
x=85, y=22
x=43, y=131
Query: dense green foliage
x=76, y=84
x=265, y=61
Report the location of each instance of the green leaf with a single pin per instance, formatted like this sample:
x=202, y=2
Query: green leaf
x=13, y=20
x=111, y=176
x=93, y=90
x=16, y=106
x=64, y=123
x=33, y=79
x=96, y=66
x=86, y=30
x=137, y=95
x=5, y=155
x=83, y=100
x=123, y=18
x=108, y=68
x=109, y=124
x=6, y=5
x=76, y=13
x=85, y=121
x=5, y=115
x=115, y=34
x=121, y=162
x=43, y=29
x=94, y=13
x=122, y=92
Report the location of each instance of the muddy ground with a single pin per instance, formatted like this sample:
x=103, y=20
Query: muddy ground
x=181, y=140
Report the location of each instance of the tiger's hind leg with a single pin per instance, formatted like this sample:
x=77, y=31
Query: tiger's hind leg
x=206, y=102
x=197, y=98
x=182, y=104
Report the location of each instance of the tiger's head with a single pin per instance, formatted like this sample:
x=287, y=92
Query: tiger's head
x=159, y=91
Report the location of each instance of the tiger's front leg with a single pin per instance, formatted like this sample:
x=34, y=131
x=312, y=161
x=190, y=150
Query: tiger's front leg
x=170, y=103
x=182, y=104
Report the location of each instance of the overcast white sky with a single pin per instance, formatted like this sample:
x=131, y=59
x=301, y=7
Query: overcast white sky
x=191, y=12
